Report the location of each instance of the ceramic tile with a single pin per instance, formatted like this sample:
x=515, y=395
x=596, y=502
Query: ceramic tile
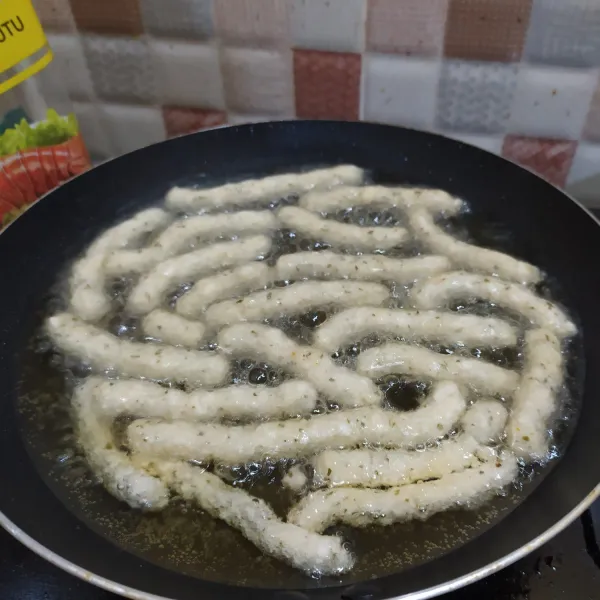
x=551, y=159
x=108, y=16
x=43, y=90
x=189, y=19
x=591, y=128
x=475, y=96
x=411, y=27
x=583, y=182
x=69, y=56
x=55, y=15
x=180, y=120
x=251, y=22
x=400, y=90
x=586, y=164
x=327, y=84
x=243, y=119
x=188, y=74
x=122, y=69
x=257, y=80
x=336, y=25
x=486, y=29
x=491, y=143
x=564, y=33
x=92, y=124
x=132, y=127
x=551, y=102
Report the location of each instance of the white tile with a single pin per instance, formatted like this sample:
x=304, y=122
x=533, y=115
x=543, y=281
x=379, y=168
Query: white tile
x=46, y=90
x=188, y=74
x=564, y=33
x=133, y=127
x=92, y=125
x=551, y=102
x=400, y=90
x=337, y=25
x=121, y=68
x=586, y=163
x=189, y=19
x=69, y=56
x=475, y=96
x=242, y=119
x=491, y=143
x=258, y=81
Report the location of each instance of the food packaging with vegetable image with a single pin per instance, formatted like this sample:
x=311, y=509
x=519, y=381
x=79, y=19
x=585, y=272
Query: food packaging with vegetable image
x=40, y=143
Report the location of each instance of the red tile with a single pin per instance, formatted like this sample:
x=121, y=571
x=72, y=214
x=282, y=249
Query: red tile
x=327, y=84
x=487, y=29
x=551, y=159
x=180, y=120
x=108, y=16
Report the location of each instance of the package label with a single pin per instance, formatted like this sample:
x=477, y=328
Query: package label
x=23, y=47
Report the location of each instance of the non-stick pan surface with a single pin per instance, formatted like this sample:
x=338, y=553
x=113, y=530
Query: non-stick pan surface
x=547, y=228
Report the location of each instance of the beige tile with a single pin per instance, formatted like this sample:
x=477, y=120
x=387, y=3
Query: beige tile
x=257, y=81
x=260, y=23
x=410, y=27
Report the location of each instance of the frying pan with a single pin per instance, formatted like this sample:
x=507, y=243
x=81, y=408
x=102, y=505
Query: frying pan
x=546, y=228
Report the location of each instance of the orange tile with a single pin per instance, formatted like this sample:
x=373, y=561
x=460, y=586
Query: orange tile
x=551, y=159
x=487, y=29
x=108, y=16
x=179, y=120
x=327, y=84
x=260, y=23
x=410, y=27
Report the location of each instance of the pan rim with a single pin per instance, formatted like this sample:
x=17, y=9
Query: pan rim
x=424, y=594
x=432, y=592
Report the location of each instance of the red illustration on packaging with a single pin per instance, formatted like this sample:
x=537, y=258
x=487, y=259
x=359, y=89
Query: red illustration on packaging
x=28, y=174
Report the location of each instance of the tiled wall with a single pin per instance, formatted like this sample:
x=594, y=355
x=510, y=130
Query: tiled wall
x=517, y=77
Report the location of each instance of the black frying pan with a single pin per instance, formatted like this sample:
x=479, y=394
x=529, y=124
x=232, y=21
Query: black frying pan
x=83, y=530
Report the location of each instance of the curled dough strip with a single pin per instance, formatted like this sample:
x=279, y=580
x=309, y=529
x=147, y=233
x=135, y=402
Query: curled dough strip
x=233, y=282
x=385, y=468
x=271, y=345
x=485, y=420
x=170, y=328
x=89, y=300
x=378, y=196
x=103, y=351
x=295, y=299
x=362, y=507
x=117, y=472
x=268, y=188
x=256, y=521
x=301, y=437
x=114, y=398
x=178, y=237
x=353, y=324
x=440, y=290
x=341, y=235
x=152, y=287
x=330, y=265
x=536, y=399
x=422, y=363
x=472, y=258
